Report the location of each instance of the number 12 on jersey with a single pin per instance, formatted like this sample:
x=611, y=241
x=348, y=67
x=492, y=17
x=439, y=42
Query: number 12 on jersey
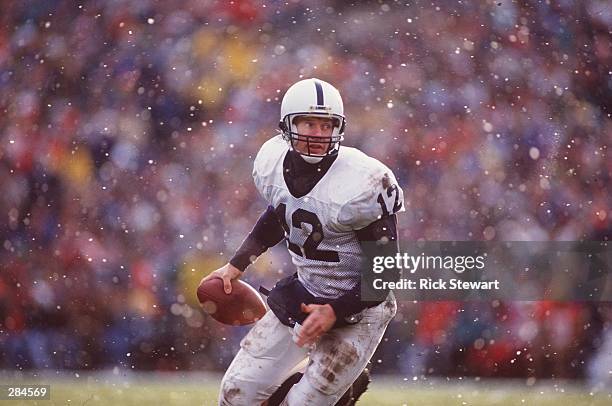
x=310, y=249
x=390, y=198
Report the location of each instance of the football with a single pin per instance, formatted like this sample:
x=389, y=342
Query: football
x=241, y=307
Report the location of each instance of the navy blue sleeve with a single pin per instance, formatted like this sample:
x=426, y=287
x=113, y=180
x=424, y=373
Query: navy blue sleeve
x=384, y=233
x=267, y=232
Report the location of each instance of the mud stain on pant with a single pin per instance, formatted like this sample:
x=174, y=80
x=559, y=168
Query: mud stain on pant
x=230, y=396
x=337, y=357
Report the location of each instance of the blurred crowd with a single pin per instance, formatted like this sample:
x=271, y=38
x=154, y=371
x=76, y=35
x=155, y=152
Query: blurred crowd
x=127, y=136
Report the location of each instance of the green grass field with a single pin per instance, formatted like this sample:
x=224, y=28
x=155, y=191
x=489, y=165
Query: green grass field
x=201, y=389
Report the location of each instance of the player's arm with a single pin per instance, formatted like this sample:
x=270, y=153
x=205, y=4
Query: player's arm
x=266, y=233
x=373, y=216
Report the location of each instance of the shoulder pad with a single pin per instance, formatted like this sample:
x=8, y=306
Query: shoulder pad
x=265, y=162
x=379, y=195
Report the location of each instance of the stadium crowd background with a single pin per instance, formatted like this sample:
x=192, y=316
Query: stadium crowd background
x=128, y=131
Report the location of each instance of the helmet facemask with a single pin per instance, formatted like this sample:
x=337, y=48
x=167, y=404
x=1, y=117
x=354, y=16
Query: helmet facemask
x=313, y=148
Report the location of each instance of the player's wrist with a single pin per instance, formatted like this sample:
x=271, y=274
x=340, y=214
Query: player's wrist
x=336, y=309
x=331, y=310
x=238, y=263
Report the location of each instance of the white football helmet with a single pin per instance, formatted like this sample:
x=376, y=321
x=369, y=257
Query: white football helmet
x=312, y=97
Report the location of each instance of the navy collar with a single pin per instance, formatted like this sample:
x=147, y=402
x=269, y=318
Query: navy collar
x=301, y=176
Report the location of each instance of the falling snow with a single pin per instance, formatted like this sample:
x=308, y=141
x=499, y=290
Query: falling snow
x=127, y=139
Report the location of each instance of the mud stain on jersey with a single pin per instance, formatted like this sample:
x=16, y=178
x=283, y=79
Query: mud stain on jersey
x=386, y=181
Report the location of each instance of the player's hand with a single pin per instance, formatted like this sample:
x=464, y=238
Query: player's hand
x=227, y=273
x=320, y=319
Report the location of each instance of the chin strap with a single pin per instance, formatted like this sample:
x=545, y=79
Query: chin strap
x=312, y=159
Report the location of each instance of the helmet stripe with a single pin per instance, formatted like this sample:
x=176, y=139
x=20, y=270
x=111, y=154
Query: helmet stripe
x=319, y=88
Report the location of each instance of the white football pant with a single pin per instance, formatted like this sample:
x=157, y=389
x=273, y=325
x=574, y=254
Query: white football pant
x=268, y=356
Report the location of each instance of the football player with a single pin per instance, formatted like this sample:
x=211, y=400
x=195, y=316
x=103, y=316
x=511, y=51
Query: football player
x=329, y=202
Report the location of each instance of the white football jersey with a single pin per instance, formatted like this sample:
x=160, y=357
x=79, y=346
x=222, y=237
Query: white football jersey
x=320, y=226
